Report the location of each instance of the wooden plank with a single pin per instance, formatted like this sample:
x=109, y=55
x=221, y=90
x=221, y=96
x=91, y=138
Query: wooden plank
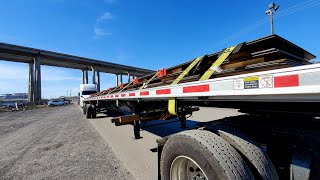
x=242, y=63
x=126, y=119
x=251, y=71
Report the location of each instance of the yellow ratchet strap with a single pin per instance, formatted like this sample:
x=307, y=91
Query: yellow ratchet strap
x=186, y=71
x=125, y=86
x=146, y=83
x=172, y=108
x=172, y=104
x=217, y=63
x=113, y=89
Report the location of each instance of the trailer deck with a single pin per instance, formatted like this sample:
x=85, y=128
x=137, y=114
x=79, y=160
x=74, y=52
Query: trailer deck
x=269, y=79
x=295, y=84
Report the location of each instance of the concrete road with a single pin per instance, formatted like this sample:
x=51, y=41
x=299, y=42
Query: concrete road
x=55, y=143
x=140, y=156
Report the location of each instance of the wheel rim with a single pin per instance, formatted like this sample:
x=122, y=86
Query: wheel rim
x=184, y=168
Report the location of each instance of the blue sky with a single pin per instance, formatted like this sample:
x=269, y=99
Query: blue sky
x=145, y=33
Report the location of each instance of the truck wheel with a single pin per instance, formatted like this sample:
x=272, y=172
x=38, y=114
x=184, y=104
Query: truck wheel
x=200, y=154
x=88, y=111
x=248, y=148
x=94, y=111
x=84, y=109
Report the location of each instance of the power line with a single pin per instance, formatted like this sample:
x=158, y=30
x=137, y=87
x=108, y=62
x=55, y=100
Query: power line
x=288, y=11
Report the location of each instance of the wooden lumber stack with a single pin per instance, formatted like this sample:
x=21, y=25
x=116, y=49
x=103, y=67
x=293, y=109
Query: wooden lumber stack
x=268, y=53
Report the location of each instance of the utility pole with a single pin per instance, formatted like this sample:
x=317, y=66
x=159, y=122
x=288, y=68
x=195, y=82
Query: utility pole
x=272, y=10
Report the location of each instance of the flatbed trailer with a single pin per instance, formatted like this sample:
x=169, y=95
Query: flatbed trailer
x=278, y=137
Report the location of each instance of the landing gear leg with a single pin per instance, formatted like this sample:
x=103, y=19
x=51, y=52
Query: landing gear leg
x=183, y=121
x=136, y=129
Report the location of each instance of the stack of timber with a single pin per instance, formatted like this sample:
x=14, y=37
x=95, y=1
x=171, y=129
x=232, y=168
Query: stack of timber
x=268, y=53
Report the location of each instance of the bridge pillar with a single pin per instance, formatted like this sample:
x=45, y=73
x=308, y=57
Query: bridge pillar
x=93, y=75
x=84, y=76
x=98, y=80
x=31, y=82
x=37, y=79
x=117, y=80
x=128, y=77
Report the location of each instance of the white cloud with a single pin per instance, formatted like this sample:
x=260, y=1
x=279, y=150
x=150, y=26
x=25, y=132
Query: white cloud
x=104, y=17
x=99, y=32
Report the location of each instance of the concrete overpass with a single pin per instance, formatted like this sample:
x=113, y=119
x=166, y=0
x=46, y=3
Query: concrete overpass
x=37, y=57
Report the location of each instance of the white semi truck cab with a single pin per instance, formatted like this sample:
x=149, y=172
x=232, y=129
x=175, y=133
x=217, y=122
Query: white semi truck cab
x=86, y=90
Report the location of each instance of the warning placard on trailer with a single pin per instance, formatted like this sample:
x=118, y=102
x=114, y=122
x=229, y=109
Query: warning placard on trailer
x=253, y=82
x=266, y=82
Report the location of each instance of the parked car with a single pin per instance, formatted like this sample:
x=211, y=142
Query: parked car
x=56, y=102
x=9, y=104
x=65, y=100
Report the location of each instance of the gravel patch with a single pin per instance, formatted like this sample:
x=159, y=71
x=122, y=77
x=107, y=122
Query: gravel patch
x=55, y=143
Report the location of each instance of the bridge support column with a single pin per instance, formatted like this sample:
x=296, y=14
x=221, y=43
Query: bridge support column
x=84, y=76
x=128, y=77
x=117, y=80
x=87, y=79
x=98, y=80
x=37, y=79
x=31, y=82
x=93, y=75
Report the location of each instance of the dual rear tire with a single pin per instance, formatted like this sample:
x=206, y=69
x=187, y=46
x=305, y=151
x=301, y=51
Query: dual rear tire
x=201, y=154
x=90, y=111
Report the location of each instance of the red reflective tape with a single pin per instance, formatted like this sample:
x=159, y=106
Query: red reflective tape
x=123, y=95
x=132, y=94
x=116, y=95
x=199, y=88
x=144, y=93
x=286, y=81
x=163, y=91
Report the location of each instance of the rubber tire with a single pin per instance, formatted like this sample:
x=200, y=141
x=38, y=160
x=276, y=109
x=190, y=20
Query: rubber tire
x=94, y=111
x=217, y=158
x=88, y=111
x=250, y=150
x=84, y=109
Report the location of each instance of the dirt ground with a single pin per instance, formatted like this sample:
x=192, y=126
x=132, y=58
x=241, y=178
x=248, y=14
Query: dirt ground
x=55, y=143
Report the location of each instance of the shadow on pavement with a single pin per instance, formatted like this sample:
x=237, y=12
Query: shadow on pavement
x=167, y=127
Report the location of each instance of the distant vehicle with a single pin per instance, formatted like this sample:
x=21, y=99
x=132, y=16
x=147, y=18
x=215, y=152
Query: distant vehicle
x=11, y=104
x=65, y=100
x=56, y=102
x=86, y=90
